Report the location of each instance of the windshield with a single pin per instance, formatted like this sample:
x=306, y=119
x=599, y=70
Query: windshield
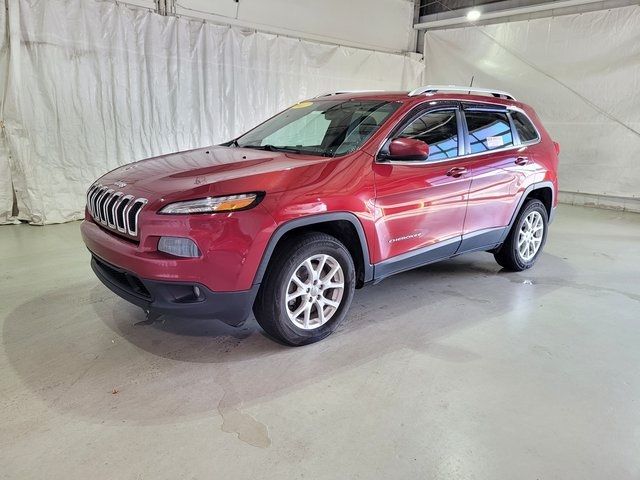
x=320, y=127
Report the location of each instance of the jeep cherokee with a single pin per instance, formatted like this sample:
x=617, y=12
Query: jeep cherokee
x=332, y=194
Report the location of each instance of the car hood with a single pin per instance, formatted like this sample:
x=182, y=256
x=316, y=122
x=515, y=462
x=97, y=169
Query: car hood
x=211, y=171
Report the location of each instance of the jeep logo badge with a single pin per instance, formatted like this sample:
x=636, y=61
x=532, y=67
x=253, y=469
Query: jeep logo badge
x=120, y=184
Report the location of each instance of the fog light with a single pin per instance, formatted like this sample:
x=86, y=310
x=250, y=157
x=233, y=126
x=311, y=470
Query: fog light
x=178, y=246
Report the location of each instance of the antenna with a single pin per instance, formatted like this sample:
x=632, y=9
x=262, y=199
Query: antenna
x=471, y=83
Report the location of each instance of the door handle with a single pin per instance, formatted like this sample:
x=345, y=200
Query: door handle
x=456, y=172
x=522, y=161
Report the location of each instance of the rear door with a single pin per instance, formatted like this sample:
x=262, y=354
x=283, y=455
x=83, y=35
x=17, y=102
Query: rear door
x=492, y=150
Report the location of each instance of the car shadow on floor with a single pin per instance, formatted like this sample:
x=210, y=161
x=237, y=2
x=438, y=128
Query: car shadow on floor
x=181, y=368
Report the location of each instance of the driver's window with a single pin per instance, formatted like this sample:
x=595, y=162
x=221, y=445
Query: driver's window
x=437, y=129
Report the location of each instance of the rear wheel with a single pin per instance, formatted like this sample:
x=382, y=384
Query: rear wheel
x=307, y=289
x=526, y=238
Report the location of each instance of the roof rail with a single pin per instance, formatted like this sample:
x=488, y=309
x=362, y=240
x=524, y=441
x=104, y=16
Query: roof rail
x=431, y=89
x=329, y=94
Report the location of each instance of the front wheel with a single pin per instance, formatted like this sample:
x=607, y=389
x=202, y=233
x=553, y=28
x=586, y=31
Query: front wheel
x=526, y=238
x=307, y=289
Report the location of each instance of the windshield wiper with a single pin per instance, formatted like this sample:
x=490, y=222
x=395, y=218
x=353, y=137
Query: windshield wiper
x=273, y=148
x=284, y=148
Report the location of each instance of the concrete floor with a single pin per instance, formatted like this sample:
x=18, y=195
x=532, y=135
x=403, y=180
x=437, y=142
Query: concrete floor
x=453, y=371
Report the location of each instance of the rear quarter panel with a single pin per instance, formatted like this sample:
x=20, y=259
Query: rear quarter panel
x=546, y=158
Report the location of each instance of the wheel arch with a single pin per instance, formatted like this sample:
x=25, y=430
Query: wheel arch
x=543, y=191
x=341, y=225
x=545, y=195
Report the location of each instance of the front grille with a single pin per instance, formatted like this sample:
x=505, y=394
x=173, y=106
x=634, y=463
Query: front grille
x=114, y=210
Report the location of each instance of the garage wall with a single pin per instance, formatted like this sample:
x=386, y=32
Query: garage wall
x=6, y=192
x=94, y=85
x=377, y=24
x=582, y=75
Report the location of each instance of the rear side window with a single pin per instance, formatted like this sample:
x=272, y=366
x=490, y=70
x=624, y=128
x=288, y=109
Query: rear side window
x=437, y=129
x=526, y=131
x=488, y=130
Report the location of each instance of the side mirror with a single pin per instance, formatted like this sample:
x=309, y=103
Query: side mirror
x=408, y=149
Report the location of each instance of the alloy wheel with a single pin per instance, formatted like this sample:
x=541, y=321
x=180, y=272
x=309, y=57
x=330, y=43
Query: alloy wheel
x=314, y=291
x=530, y=236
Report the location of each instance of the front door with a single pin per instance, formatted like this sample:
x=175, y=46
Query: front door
x=421, y=205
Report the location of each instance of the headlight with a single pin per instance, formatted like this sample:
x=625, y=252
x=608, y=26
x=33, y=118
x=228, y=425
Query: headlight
x=230, y=203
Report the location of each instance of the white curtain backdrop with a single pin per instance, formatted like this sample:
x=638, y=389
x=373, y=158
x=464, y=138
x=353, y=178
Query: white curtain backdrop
x=94, y=85
x=580, y=72
x=6, y=192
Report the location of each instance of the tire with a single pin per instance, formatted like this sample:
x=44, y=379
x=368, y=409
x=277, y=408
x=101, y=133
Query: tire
x=277, y=316
x=510, y=255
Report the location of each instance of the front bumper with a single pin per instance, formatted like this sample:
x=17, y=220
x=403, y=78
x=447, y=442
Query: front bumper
x=184, y=299
x=232, y=246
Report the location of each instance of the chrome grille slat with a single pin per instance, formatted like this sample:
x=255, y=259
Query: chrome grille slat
x=90, y=192
x=131, y=216
x=111, y=209
x=98, y=204
x=114, y=210
x=103, y=206
x=121, y=208
x=94, y=198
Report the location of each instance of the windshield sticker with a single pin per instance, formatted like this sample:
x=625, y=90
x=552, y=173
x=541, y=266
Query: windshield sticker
x=494, y=142
x=302, y=105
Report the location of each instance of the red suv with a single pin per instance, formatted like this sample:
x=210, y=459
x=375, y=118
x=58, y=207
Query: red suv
x=332, y=194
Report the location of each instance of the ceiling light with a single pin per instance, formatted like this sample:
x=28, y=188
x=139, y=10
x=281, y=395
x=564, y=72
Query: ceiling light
x=473, y=15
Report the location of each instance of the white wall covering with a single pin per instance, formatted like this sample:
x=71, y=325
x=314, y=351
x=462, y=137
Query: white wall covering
x=377, y=24
x=580, y=72
x=95, y=85
x=6, y=192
